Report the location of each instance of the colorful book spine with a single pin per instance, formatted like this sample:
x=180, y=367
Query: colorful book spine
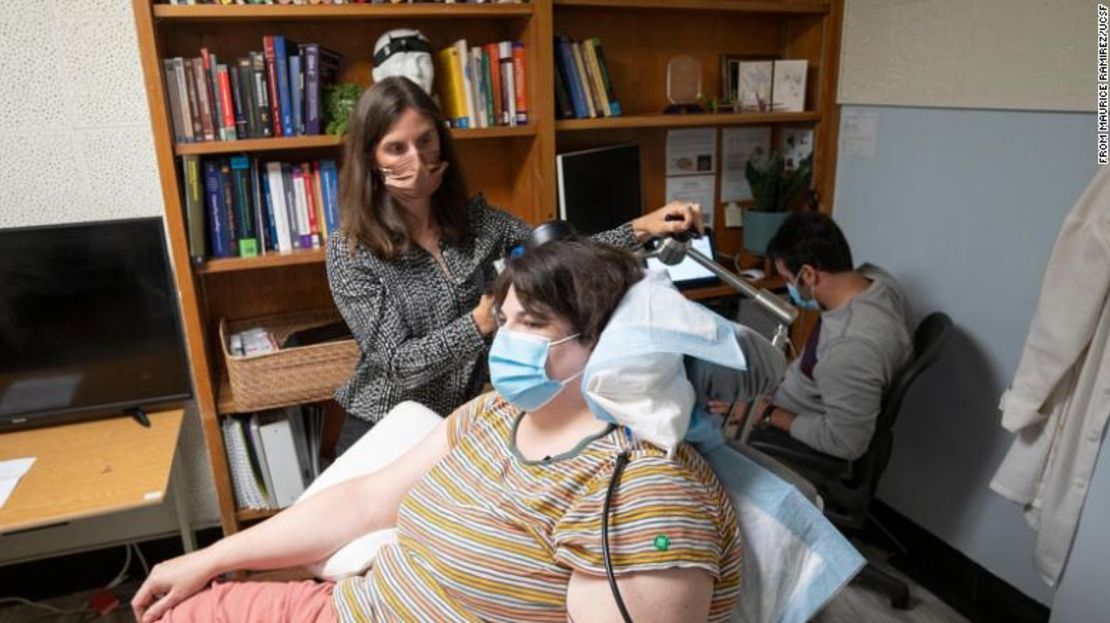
x=214, y=199
x=276, y=186
x=570, y=74
x=188, y=106
x=311, y=54
x=508, y=81
x=270, y=54
x=593, y=74
x=285, y=96
x=606, y=77
x=520, y=79
x=231, y=218
x=451, y=87
x=212, y=84
x=296, y=93
x=200, y=85
x=260, y=87
x=244, y=206
x=330, y=190
x=194, y=206
x=227, y=108
x=493, y=70
x=462, y=54
x=238, y=102
x=580, y=72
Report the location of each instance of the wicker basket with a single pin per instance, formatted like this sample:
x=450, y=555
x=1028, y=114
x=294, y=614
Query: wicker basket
x=291, y=375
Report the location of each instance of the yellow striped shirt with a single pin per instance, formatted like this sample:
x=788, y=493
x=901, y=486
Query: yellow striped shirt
x=489, y=536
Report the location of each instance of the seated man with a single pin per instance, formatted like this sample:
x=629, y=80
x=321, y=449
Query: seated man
x=498, y=510
x=831, y=395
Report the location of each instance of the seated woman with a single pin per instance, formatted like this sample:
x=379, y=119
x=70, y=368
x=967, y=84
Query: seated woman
x=498, y=511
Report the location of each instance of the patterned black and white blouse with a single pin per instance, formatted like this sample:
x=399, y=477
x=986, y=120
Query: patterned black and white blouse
x=412, y=319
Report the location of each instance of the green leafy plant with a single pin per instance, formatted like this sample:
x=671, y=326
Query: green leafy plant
x=339, y=101
x=774, y=187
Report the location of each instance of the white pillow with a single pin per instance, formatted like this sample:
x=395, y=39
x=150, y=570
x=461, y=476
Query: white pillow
x=401, y=429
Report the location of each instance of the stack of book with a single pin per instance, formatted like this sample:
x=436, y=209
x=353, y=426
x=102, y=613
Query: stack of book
x=242, y=207
x=483, y=86
x=583, y=85
x=273, y=455
x=275, y=92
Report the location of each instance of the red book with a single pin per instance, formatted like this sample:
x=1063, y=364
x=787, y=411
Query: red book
x=271, y=73
x=521, y=84
x=310, y=195
x=225, y=102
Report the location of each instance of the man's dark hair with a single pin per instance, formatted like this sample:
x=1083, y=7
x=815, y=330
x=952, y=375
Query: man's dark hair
x=811, y=238
x=578, y=280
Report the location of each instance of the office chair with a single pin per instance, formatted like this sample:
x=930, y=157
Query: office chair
x=847, y=487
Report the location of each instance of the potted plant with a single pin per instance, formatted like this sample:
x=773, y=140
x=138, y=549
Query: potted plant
x=776, y=189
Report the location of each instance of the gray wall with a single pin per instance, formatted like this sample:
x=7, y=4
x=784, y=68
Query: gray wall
x=963, y=206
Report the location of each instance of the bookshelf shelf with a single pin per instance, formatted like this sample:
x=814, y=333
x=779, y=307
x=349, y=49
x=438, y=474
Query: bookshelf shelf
x=686, y=121
x=735, y=6
x=270, y=260
x=326, y=140
x=216, y=13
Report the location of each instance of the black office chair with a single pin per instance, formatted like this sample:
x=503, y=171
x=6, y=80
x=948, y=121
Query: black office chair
x=847, y=487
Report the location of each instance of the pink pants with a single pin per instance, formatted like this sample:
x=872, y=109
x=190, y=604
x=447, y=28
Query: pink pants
x=261, y=602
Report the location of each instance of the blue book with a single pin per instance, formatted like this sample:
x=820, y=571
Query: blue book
x=267, y=209
x=296, y=89
x=285, y=97
x=329, y=178
x=214, y=200
x=566, y=64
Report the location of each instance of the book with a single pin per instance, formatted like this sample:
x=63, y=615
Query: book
x=173, y=100
x=238, y=102
x=462, y=54
x=788, y=93
x=606, y=78
x=192, y=178
x=487, y=83
x=450, y=87
x=593, y=74
x=273, y=92
x=272, y=243
x=296, y=93
x=311, y=55
x=478, y=83
x=226, y=106
x=261, y=462
x=563, y=108
x=580, y=72
x=298, y=227
x=330, y=190
x=493, y=69
x=261, y=225
x=317, y=198
x=282, y=49
x=229, y=214
x=565, y=56
x=508, y=82
x=282, y=461
x=245, y=476
x=755, y=86
x=188, y=106
x=260, y=89
x=200, y=86
x=282, y=225
x=520, y=83
x=244, y=206
x=213, y=92
x=304, y=214
x=218, y=236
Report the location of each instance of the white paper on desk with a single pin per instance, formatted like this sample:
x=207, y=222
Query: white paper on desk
x=696, y=189
x=10, y=473
x=738, y=146
x=691, y=151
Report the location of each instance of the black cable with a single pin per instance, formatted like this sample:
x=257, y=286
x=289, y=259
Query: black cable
x=622, y=460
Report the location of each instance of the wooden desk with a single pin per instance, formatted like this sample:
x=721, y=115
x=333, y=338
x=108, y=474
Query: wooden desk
x=92, y=468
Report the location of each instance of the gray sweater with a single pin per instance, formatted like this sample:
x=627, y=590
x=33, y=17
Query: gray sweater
x=860, y=349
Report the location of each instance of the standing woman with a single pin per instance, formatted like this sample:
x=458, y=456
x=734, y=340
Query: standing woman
x=411, y=263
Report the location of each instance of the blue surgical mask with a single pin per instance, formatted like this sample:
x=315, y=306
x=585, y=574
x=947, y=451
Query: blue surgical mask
x=518, y=368
x=796, y=297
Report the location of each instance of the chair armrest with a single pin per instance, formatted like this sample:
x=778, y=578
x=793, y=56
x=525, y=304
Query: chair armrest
x=782, y=446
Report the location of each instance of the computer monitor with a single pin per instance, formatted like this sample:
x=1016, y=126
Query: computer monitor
x=600, y=189
x=688, y=273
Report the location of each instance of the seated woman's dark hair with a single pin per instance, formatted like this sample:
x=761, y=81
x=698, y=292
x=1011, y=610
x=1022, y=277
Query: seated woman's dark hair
x=578, y=280
x=811, y=238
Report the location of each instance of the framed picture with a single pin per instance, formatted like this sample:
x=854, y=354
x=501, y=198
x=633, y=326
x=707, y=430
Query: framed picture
x=743, y=70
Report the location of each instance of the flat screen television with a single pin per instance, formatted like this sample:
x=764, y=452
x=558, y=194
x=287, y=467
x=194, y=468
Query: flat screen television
x=89, y=323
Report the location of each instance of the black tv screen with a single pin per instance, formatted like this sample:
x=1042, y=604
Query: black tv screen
x=89, y=322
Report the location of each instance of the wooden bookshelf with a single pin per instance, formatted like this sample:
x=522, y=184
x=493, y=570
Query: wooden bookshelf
x=693, y=120
x=215, y=12
x=513, y=167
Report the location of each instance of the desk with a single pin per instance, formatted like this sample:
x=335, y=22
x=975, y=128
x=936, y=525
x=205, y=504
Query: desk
x=92, y=468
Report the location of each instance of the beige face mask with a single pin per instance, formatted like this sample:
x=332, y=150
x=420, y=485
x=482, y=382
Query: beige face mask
x=414, y=180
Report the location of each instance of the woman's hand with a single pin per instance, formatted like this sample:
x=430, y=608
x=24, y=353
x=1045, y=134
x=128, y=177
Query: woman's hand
x=483, y=315
x=673, y=218
x=170, y=583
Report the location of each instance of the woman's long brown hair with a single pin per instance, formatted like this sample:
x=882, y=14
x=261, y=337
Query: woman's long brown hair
x=367, y=213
